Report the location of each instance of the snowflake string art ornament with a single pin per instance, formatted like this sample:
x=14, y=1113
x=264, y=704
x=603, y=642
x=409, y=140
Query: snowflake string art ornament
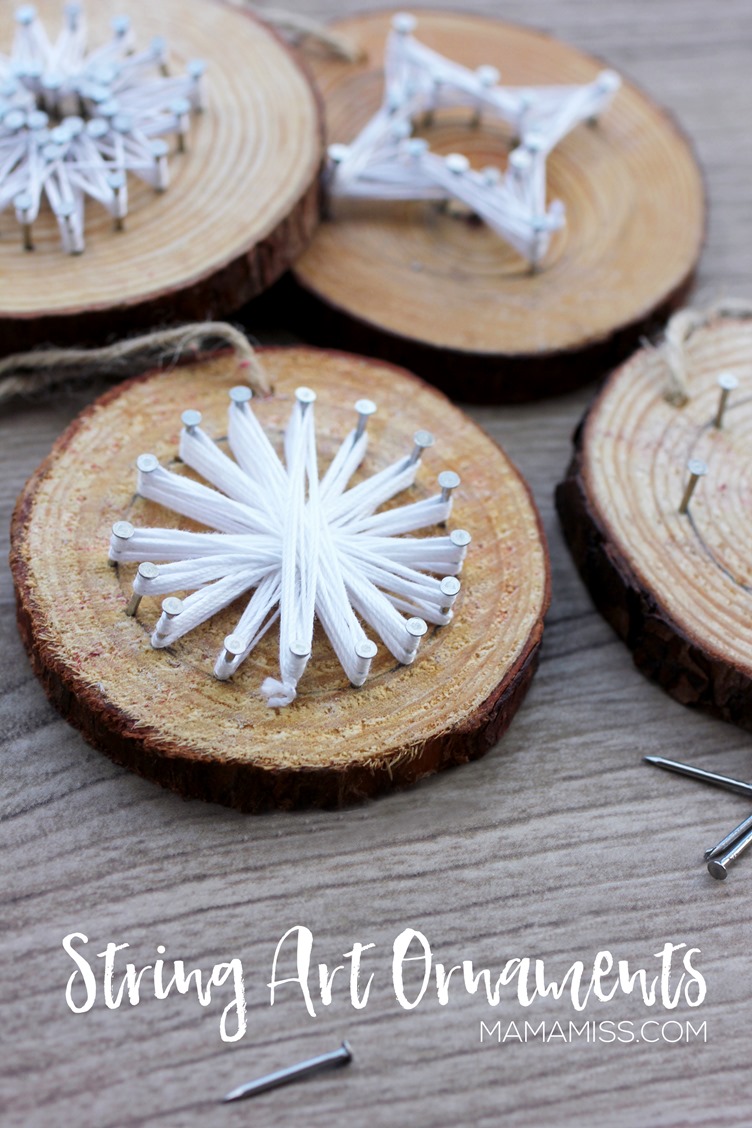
x=310, y=547
x=75, y=122
x=384, y=162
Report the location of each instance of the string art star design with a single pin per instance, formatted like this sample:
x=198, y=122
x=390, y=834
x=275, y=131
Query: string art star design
x=308, y=547
x=385, y=162
x=74, y=122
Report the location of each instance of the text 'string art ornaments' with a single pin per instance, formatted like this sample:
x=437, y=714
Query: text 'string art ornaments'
x=74, y=122
x=310, y=547
x=384, y=162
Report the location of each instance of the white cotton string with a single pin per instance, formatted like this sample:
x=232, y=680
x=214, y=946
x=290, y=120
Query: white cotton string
x=406, y=518
x=342, y=467
x=199, y=502
x=178, y=544
x=74, y=123
x=385, y=163
x=299, y=559
x=202, y=604
x=368, y=495
x=304, y=546
x=199, y=452
x=190, y=575
x=436, y=554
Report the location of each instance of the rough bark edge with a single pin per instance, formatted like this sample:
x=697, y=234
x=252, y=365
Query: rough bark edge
x=475, y=377
x=690, y=671
x=219, y=291
x=247, y=787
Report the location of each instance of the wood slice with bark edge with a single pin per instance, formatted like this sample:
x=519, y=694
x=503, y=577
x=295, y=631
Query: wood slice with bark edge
x=451, y=299
x=243, y=202
x=677, y=589
x=162, y=713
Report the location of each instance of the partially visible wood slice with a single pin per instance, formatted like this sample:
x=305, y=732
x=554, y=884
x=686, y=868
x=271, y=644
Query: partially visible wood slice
x=242, y=202
x=163, y=714
x=451, y=299
x=677, y=588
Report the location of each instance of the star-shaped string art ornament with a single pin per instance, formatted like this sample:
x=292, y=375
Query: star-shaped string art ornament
x=75, y=122
x=385, y=162
x=309, y=547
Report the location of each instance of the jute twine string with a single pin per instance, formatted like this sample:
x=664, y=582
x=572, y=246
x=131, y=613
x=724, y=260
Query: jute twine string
x=36, y=372
x=678, y=332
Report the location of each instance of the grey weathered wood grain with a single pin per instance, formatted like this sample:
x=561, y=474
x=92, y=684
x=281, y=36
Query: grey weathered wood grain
x=558, y=844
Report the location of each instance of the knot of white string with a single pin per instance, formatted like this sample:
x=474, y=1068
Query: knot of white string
x=385, y=163
x=310, y=547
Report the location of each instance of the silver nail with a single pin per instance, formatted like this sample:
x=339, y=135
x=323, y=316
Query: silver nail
x=697, y=469
x=366, y=652
x=120, y=26
x=147, y=463
x=460, y=538
x=234, y=646
x=122, y=531
x=171, y=608
x=341, y=1056
x=365, y=409
x=727, y=382
x=240, y=395
x=738, y=786
x=301, y=655
x=338, y=153
x=416, y=628
x=722, y=846
x=147, y=571
x=181, y=108
x=718, y=867
x=422, y=440
x=457, y=163
x=191, y=420
x=448, y=481
x=305, y=397
x=404, y=23
x=450, y=587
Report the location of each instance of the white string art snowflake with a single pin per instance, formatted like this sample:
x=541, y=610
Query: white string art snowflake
x=309, y=547
x=385, y=163
x=75, y=122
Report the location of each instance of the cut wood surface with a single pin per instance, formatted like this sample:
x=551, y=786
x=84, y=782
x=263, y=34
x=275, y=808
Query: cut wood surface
x=241, y=205
x=677, y=586
x=452, y=298
x=162, y=712
x=558, y=844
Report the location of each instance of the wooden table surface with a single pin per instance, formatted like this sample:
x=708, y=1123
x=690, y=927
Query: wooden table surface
x=558, y=845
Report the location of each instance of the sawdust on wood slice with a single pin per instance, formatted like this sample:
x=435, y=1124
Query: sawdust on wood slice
x=452, y=300
x=677, y=588
x=243, y=201
x=162, y=713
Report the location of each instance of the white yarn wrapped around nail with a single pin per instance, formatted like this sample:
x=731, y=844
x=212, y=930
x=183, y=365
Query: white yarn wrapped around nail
x=74, y=121
x=385, y=163
x=310, y=547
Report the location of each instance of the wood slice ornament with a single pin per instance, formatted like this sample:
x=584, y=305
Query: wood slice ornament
x=242, y=201
x=447, y=296
x=657, y=510
x=162, y=713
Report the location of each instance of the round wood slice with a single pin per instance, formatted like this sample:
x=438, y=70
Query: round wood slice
x=450, y=298
x=241, y=205
x=162, y=713
x=677, y=588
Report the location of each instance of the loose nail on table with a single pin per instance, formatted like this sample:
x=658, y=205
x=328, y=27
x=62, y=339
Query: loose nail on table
x=341, y=1056
x=727, y=782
